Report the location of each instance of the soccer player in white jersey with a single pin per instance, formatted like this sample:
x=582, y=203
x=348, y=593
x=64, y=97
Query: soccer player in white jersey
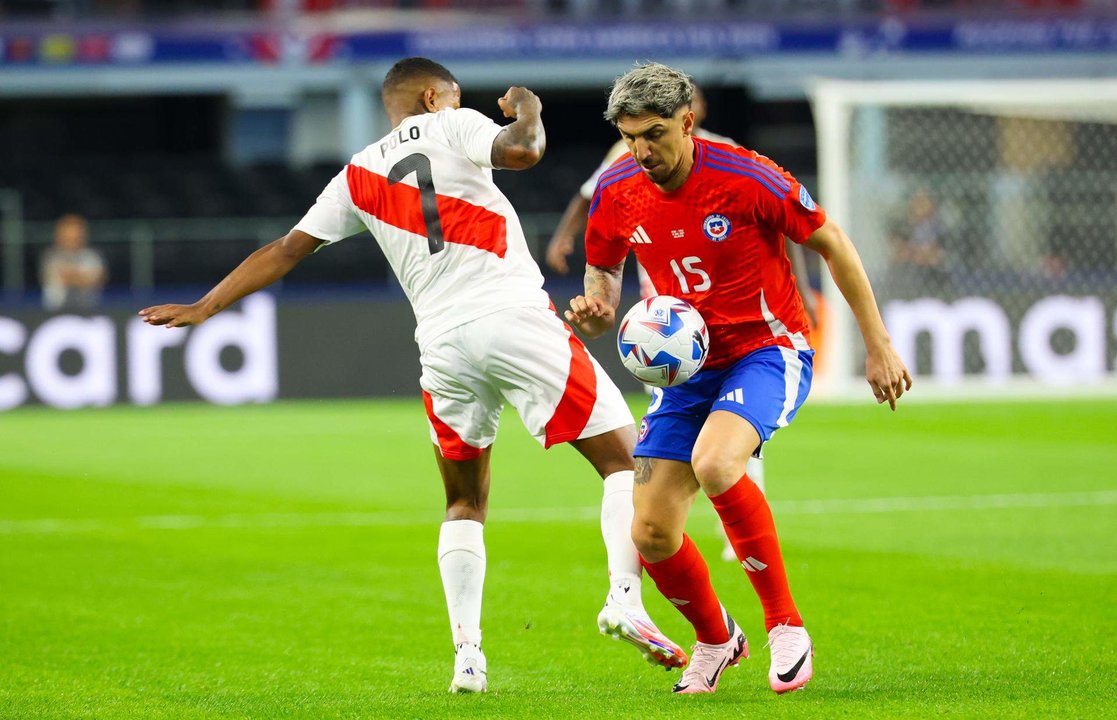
x=486, y=330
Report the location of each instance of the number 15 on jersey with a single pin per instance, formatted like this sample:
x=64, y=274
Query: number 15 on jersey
x=690, y=268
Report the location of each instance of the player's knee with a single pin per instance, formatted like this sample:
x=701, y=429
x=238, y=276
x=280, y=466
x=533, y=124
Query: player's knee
x=654, y=541
x=716, y=470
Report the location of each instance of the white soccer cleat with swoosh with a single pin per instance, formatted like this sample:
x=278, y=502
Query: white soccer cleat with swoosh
x=708, y=662
x=792, y=655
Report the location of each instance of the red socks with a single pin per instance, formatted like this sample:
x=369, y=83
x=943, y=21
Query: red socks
x=748, y=522
x=684, y=579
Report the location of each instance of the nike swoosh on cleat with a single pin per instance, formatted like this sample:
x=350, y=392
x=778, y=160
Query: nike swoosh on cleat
x=712, y=680
x=790, y=674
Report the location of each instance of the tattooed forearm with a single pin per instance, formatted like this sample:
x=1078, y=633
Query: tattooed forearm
x=643, y=471
x=604, y=284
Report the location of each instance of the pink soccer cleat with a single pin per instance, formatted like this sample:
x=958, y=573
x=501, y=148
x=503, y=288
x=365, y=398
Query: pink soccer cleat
x=792, y=654
x=709, y=662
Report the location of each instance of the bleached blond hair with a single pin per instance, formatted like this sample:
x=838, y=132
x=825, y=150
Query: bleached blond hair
x=652, y=87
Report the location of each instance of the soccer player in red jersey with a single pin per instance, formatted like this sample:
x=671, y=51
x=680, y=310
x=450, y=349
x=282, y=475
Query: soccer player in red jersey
x=707, y=221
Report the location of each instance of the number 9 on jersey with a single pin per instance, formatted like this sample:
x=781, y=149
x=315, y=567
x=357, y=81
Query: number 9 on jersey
x=663, y=341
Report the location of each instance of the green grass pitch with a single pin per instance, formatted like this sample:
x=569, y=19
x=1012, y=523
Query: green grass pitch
x=273, y=562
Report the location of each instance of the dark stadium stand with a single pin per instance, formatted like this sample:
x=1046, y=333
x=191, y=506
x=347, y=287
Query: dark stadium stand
x=123, y=194
x=110, y=188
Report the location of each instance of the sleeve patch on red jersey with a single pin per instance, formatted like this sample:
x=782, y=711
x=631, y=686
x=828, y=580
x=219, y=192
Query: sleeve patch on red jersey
x=805, y=199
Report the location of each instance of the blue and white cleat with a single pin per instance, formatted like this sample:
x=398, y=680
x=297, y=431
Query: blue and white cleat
x=470, y=670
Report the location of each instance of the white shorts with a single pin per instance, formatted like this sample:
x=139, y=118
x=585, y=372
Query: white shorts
x=528, y=358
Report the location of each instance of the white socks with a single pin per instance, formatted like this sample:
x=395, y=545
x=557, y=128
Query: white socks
x=616, y=530
x=461, y=561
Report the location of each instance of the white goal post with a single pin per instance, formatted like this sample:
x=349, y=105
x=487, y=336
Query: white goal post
x=986, y=215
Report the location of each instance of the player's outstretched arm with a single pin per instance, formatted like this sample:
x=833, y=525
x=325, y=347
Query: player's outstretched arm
x=571, y=225
x=520, y=144
x=885, y=371
x=595, y=312
x=258, y=270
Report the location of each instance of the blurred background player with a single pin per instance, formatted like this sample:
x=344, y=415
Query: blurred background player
x=72, y=273
x=917, y=246
x=486, y=329
x=573, y=224
x=713, y=219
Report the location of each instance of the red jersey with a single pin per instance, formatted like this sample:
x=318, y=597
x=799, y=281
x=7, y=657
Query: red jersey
x=716, y=241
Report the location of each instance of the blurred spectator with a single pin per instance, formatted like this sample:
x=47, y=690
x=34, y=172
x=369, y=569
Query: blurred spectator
x=918, y=258
x=71, y=273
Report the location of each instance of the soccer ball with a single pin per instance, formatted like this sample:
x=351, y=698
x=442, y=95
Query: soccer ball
x=663, y=341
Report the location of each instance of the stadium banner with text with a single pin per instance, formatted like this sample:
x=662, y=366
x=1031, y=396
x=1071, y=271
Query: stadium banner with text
x=61, y=45
x=258, y=351
x=1060, y=340
x=979, y=208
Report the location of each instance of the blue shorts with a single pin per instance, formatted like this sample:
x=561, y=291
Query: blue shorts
x=766, y=387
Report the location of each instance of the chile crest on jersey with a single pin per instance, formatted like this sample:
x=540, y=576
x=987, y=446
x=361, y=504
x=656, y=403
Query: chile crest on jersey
x=716, y=226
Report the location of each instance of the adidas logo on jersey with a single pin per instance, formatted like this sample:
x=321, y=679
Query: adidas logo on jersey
x=640, y=236
x=733, y=396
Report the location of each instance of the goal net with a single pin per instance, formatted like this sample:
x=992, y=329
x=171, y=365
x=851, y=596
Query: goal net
x=986, y=216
